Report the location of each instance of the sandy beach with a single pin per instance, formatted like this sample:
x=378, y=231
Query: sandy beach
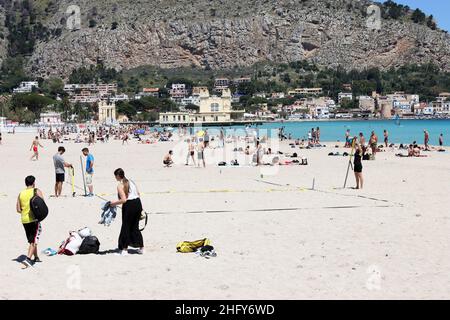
x=275, y=238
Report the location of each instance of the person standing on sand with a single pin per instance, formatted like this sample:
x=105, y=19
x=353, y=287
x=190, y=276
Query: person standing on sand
x=347, y=139
x=200, y=154
x=318, y=135
x=60, y=171
x=357, y=166
x=34, y=145
x=441, y=141
x=191, y=152
x=362, y=142
x=386, y=138
x=426, y=139
x=31, y=225
x=129, y=198
x=206, y=139
x=89, y=171
x=1, y=138
x=373, y=142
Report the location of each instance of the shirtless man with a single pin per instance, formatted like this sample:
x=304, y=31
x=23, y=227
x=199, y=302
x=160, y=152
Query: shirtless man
x=191, y=152
x=34, y=145
x=167, y=161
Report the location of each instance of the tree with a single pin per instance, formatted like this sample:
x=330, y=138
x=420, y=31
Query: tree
x=418, y=16
x=31, y=101
x=53, y=87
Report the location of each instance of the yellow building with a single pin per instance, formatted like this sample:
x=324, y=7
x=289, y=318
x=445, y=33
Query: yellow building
x=106, y=112
x=213, y=109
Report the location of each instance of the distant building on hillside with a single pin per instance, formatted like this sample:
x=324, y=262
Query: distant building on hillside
x=366, y=103
x=26, y=87
x=238, y=81
x=305, y=91
x=221, y=84
x=178, y=92
x=90, y=93
x=344, y=96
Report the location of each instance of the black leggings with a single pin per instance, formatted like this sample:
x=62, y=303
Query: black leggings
x=129, y=233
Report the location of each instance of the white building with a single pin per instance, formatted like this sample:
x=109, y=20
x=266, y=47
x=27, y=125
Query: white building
x=50, y=118
x=344, y=95
x=26, y=87
x=106, y=112
x=120, y=97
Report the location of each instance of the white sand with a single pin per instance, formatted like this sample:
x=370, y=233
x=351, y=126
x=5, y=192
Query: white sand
x=397, y=248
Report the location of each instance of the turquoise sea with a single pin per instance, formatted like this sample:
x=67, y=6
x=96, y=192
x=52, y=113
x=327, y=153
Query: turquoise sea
x=404, y=131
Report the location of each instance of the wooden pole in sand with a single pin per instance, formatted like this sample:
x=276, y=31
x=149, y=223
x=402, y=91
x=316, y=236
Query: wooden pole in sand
x=350, y=161
x=82, y=174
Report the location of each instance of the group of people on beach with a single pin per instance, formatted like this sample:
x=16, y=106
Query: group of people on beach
x=128, y=198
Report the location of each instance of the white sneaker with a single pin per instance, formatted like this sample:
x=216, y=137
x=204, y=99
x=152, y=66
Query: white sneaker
x=121, y=253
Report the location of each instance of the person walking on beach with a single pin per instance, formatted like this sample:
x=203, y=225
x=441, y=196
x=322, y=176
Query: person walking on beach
x=318, y=135
x=60, y=171
x=386, y=138
x=426, y=139
x=89, y=171
x=357, y=166
x=373, y=142
x=191, y=152
x=129, y=198
x=34, y=146
x=441, y=141
x=31, y=225
x=200, y=154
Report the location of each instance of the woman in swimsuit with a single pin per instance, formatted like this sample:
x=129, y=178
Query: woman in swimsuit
x=386, y=138
x=357, y=167
x=34, y=145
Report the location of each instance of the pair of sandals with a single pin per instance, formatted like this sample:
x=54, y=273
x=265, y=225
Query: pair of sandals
x=206, y=252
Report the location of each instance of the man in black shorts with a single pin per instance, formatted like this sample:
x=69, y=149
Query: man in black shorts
x=60, y=171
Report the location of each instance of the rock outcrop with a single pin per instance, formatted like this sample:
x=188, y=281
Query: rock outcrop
x=224, y=34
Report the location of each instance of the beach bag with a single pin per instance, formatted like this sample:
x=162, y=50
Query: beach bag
x=38, y=207
x=366, y=157
x=89, y=245
x=71, y=245
x=192, y=246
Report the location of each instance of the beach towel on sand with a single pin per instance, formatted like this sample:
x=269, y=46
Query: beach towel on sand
x=192, y=246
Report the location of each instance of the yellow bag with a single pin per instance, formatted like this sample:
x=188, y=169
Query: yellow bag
x=192, y=246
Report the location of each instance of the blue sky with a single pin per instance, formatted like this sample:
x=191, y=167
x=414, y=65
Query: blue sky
x=440, y=9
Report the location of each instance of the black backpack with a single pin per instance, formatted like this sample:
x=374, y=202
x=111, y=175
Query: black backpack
x=89, y=245
x=38, y=207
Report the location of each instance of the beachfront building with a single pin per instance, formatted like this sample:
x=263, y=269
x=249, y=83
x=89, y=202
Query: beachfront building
x=212, y=109
x=50, y=118
x=26, y=87
x=106, y=112
x=305, y=91
x=366, y=103
x=344, y=96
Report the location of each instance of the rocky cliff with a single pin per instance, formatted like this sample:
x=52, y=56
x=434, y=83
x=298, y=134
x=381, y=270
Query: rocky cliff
x=224, y=34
